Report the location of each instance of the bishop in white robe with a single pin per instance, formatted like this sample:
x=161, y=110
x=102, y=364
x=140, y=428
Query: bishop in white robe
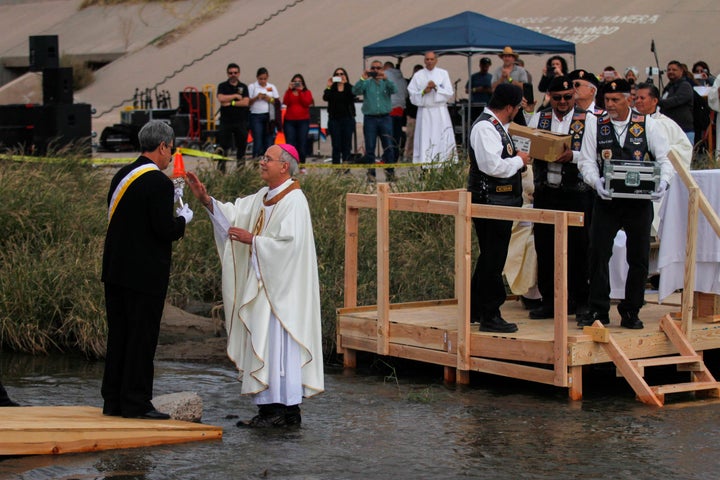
x=270, y=290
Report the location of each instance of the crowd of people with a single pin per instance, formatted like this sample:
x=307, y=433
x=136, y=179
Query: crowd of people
x=609, y=117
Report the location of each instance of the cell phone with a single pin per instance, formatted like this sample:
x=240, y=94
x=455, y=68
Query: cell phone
x=297, y=84
x=336, y=79
x=372, y=73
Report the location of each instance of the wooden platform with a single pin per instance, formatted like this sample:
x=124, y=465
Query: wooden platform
x=428, y=332
x=56, y=430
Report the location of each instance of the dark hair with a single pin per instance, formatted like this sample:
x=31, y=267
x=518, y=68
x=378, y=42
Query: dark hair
x=653, y=91
x=348, y=84
x=702, y=64
x=676, y=62
x=563, y=64
x=232, y=65
x=302, y=79
x=261, y=71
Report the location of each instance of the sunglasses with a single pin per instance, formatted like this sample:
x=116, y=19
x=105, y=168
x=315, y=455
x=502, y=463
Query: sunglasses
x=567, y=96
x=375, y=68
x=337, y=74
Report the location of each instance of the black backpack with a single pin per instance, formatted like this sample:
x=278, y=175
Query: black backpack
x=701, y=113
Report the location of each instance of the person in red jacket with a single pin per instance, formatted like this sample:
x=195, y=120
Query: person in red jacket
x=298, y=100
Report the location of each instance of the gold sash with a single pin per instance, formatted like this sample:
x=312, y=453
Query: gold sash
x=122, y=187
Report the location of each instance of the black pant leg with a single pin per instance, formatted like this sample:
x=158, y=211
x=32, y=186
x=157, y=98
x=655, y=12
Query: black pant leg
x=487, y=286
x=604, y=227
x=637, y=220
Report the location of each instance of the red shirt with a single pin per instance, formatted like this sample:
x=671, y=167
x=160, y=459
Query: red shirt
x=297, y=106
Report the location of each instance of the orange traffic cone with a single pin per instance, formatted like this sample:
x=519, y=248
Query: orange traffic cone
x=178, y=166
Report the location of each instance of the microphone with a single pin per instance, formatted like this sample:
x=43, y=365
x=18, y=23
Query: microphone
x=652, y=45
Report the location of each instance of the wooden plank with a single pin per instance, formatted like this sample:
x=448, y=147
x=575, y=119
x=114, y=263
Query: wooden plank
x=445, y=195
x=358, y=327
x=383, y=269
x=672, y=360
x=534, y=351
x=430, y=338
x=684, y=346
x=690, y=249
x=463, y=268
x=685, y=387
x=513, y=370
x=598, y=334
x=561, y=293
x=434, y=207
x=622, y=362
x=360, y=344
x=72, y=429
x=351, y=256
x=534, y=215
x=423, y=355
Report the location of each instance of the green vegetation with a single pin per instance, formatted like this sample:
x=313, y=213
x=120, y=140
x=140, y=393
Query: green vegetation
x=52, y=227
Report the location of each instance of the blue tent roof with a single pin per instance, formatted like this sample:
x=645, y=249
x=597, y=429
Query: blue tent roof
x=468, y=33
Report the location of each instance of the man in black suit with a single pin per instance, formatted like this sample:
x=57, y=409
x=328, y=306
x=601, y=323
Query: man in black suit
x=136, y=271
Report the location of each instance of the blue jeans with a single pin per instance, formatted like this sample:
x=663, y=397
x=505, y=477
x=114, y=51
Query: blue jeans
x=296, y=134
x=341, y=133
x=375, y=126
x=262, y=137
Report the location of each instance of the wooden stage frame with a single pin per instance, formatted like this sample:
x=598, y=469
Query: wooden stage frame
x=550, y=352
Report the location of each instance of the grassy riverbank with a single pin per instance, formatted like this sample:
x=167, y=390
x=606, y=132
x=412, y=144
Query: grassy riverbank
x=52, y=227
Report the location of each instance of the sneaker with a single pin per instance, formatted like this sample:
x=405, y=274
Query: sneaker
x=629, y=318
x=587, y=319
x=497, y=324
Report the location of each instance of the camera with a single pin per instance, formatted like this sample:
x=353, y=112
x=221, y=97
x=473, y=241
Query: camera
x=336, y=79
x=653, y=71
x=297, y=84
x=372, y=73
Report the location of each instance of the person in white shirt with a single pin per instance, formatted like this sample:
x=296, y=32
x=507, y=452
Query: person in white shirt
x=621, y=134
x=495, y=179
x=263, y=97
x=431, y=89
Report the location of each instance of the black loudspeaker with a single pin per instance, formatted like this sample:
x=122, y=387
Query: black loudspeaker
x=180, y=124
x=57, y=86
x=59, y=126
x=44, y=52
x=17, y=124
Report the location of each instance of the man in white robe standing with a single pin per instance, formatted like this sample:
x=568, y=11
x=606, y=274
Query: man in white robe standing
x=430, y=89
x=270, y=290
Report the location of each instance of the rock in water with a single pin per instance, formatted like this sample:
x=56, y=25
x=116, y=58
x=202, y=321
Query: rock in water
x=186, y=406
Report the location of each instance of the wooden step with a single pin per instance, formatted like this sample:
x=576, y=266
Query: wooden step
x=686, y=363
x=684, y=387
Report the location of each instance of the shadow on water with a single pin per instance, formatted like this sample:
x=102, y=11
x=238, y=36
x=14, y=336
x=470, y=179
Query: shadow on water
x=393, y=420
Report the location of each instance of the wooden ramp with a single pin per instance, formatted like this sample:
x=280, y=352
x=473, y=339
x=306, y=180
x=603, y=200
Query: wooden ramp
x=56, y=430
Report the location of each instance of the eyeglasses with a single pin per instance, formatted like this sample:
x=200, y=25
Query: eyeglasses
x=375, y=68
x=567, y=96
x=266, y=159
x=233, y=72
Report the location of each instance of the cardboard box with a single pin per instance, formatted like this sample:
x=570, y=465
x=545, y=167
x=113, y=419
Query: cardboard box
x=540, y=144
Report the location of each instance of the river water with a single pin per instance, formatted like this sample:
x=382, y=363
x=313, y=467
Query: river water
x=387, y=423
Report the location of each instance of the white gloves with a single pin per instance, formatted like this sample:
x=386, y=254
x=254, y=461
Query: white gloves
x=178, y=194
x=600, y=189
x=659, y=193
x=185, y=212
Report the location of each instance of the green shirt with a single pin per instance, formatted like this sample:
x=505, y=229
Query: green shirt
x=376, y=95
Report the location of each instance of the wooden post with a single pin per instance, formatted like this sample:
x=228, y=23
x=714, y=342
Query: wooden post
x=463, y=260
x=383, y=269
x=351, y=255
x=561, y=300
x=690, y=248
x=575, y=382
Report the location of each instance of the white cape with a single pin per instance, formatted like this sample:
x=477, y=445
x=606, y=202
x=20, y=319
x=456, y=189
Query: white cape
x=288, y=288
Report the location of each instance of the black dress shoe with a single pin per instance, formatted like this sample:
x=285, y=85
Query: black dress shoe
x=112, y=412
x=629, y=318
x=587, y=319
x=544, y=311
x=530, y=303
x=151, y=415
x=8, y=403
x=497, y=324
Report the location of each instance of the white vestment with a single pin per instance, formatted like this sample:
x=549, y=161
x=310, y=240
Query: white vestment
x=271, y=297
x=434, y=135
x=714, y=103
